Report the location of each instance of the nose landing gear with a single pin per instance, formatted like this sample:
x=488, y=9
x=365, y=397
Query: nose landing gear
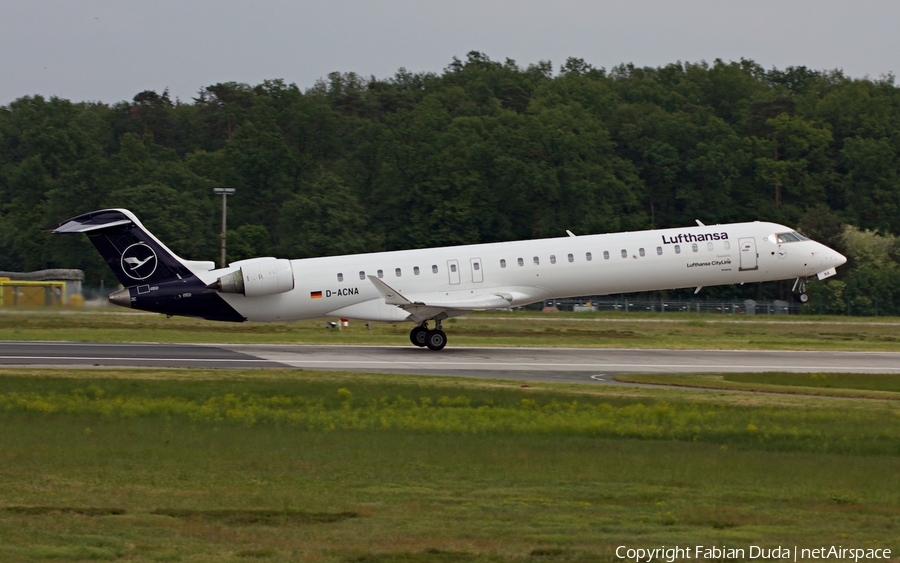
x=800, y=285
x=433, y=339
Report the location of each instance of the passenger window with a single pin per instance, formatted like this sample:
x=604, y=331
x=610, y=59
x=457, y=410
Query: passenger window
x=709, y=245
x=362, y=275
x=340, y=277
x=588, y=256
x=571, y=258
x=416, y=270
x=503, y=262
x=380, y=274
x=606, y=254
x=453, y=267
x=434, y=268
x=521, y=262
x=727, y=245
x=397, y=272
x=537, y=261
x=677, y=249
x=553, y=258
x=476, y=265
x=694, y=247
x=624, y=253
x=641, y=251
x=659, y=250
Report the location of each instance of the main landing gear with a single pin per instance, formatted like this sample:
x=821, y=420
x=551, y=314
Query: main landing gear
x=800, y=285
x=433, y=339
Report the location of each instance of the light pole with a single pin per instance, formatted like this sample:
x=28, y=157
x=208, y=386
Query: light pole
x=225, y=193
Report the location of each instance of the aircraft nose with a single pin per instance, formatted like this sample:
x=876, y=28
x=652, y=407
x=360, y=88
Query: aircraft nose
x=839, y=258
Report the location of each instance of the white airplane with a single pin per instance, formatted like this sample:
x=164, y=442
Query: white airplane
x=434, y=284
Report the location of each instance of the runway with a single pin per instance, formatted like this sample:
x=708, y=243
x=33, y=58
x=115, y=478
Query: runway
x=68, y=354
x=538, y=364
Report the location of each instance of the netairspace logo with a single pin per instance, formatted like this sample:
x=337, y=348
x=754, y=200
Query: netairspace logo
x=677, y=553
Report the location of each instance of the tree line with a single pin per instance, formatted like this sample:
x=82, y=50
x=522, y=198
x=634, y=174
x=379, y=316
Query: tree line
x=483, y=151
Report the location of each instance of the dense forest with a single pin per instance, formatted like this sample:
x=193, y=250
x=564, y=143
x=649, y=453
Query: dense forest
x=485, y=151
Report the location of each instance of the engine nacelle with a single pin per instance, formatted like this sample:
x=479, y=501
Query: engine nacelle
x=267, y=276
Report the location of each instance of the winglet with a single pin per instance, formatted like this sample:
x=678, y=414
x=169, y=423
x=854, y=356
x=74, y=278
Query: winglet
x=391, y=296
x=570, y=233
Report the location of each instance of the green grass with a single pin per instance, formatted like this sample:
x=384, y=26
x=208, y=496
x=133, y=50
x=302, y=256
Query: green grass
x=285, y=465
x=849, y=385
x=342, y=402
x=867, y=381
x=521, y=328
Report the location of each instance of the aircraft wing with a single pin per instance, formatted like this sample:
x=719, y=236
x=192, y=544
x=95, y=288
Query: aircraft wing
x=429, y=308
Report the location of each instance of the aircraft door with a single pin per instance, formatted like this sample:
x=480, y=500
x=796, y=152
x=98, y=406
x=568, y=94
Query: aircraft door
x=748, y=254
x=477, y=273
x=453, y=269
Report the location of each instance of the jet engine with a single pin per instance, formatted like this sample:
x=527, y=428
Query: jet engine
x=257, y=277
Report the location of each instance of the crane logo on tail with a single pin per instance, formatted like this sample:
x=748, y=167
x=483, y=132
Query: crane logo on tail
x=139, y=261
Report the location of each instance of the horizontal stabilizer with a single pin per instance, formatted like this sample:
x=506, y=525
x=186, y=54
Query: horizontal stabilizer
x=89, y=225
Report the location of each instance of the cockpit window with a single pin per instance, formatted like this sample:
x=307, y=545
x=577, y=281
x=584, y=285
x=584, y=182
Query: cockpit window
x=790, y=237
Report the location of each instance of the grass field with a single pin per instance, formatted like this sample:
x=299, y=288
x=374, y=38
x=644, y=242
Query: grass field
x=521, y=328
x=850, y=385
x=288, y=465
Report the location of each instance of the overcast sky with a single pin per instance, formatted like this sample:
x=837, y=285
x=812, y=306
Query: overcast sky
x=109, y=50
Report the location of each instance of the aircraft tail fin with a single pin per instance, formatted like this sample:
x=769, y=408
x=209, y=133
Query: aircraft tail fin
x=135, y=256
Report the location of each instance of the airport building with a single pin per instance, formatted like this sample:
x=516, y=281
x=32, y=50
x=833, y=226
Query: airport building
x=43, y=288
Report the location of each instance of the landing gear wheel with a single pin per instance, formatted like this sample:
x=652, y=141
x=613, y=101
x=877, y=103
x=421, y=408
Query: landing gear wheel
x=435, y=339
x=418, y=335
x=804, y=298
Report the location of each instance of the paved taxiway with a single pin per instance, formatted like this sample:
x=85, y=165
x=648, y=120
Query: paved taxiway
x=542, y=364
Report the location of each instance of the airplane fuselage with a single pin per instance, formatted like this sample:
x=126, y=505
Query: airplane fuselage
x=433, y=284
x=535, y=270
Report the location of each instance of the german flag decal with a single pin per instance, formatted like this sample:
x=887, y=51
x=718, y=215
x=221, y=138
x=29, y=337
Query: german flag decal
x=315, y=294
